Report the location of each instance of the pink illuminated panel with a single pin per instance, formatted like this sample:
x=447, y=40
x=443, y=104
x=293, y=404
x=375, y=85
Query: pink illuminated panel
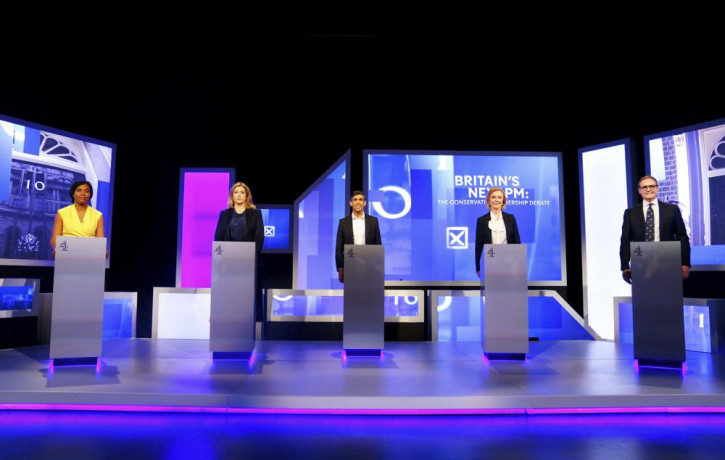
x=203, y=194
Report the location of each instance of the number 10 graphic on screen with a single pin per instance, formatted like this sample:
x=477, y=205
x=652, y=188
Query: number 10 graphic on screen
x=38, y=185
x=39, y=164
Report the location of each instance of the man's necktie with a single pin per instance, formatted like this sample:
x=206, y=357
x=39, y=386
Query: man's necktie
x=649, y=225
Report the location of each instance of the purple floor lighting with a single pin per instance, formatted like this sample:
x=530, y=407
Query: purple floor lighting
x=658, y=364
x=67, y=362
x=232, y=355
x=352, y=411
x=505, y=356
x=362, y=354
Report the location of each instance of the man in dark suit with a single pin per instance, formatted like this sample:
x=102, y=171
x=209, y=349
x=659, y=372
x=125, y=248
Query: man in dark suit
x=652, y=220
x=356, y=228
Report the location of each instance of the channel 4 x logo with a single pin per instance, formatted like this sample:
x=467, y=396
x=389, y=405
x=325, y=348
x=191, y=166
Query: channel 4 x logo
x=269, y=230
x=457, y=237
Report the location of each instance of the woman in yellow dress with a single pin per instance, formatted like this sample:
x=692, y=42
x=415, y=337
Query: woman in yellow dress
x=78, y=219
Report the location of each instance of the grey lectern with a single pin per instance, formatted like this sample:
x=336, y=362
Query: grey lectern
x=505, y=312
x=657, y=320
x=232, y=324
x=76, y=328
x=363, y=327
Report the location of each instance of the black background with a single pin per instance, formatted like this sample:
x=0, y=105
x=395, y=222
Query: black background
x=280, y=102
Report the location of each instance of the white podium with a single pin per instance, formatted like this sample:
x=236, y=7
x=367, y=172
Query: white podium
x=76, y=330
x=232, y=325
x=657, y=320
x=363, y=327
x=505, y=310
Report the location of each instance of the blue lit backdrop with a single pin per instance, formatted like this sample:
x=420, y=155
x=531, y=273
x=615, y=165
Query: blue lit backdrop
x=428, y=203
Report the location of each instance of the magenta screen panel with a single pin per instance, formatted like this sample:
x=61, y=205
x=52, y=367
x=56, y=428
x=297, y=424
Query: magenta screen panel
x=203, y=194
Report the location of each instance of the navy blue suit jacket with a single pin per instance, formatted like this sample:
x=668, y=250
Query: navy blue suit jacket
x=672, y=228
x=255, y=227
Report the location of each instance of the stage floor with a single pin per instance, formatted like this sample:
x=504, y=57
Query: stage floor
x=313, y=377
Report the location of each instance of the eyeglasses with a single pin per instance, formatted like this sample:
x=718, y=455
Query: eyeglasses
x=648, y=187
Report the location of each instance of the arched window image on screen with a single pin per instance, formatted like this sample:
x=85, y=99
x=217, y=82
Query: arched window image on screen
x=39, y=164
x=689, y=165
x=428, y=202
x=316, y=215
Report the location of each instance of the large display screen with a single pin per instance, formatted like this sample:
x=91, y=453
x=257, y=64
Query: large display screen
x=689, y=164
x=428, y=202
x=276, y=220
x=37, y=167
x=605, y=190
x=316, y=215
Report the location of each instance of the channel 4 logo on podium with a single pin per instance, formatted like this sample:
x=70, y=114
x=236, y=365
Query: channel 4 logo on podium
x=457, y=237
x=269, y=230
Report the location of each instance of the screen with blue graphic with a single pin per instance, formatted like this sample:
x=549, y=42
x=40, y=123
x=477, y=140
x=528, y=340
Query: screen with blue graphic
x=118, y=318
x=276, y=220
x=689, y=165
x=316, y=215
x=428, y=203
x=311, y=306
x=38, y=166
x=459, y=319
x=16, y=298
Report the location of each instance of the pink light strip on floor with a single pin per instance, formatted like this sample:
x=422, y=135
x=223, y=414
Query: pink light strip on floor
x=330, y=411
x=626, y=410
x=112, y=408
x=301, y=411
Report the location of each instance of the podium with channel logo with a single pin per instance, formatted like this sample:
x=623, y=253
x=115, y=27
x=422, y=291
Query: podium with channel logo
x=505, y=311
x=658, y=322
x=76, y=330
x=363, y=327
x=232, y=324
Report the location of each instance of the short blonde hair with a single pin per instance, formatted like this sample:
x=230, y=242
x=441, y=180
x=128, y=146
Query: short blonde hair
x=249, y=204
x=488, y=197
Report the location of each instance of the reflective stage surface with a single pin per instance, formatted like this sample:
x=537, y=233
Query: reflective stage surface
x=314, y=377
